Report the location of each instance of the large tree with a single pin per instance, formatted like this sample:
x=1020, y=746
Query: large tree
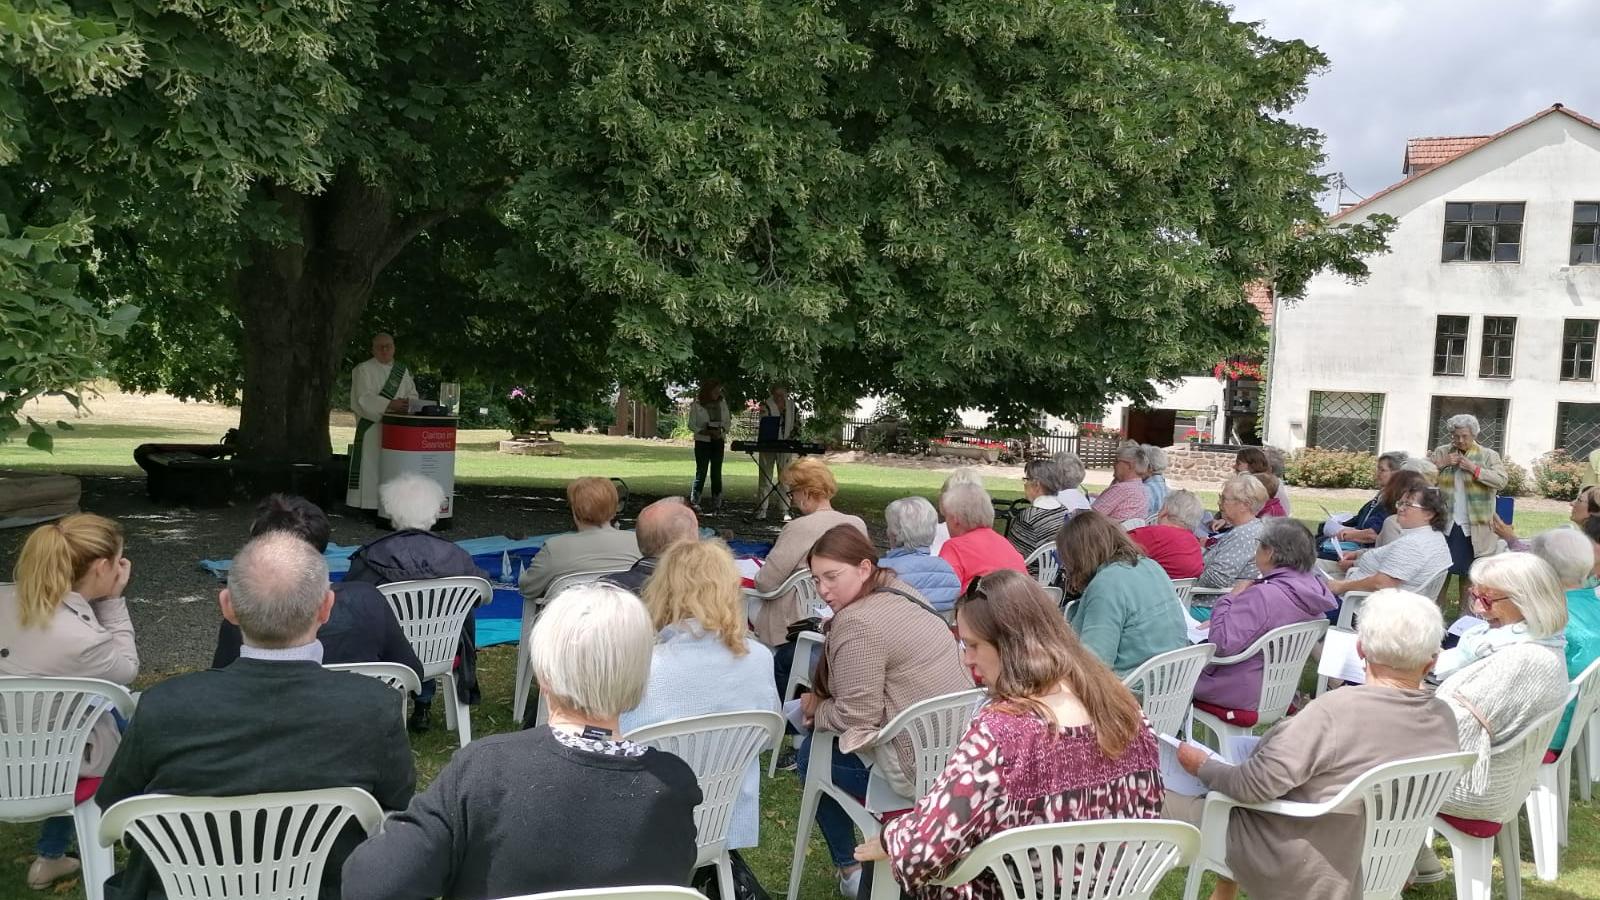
x=1015, y=207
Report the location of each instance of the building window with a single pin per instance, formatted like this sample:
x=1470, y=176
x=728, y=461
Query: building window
x=1499, y=344
x=1585, y=234
x=1577, y=349
x=1342, y=420
x=1578, y=428
x=1450, y=345
x=1482, y=232
x=1492, y=416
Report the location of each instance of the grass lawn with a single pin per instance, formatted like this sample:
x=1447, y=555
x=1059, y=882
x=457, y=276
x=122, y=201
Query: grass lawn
x=654, y=468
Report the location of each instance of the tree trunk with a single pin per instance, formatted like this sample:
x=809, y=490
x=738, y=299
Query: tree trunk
x=299, y=302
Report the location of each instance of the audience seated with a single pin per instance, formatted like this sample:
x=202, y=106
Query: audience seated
x=1570, y=555
x=660, y=525
x=704, y=661
x=910, y=522
x=1288, y=592
x=960, y=476
x=1500, y=694
x=1060, y=740
x=1258, y=461
x=1230, y=562
x=811, y=489
x=1410, y=562
x=974, y=548
x=1170, y=540
x=360, y=628
x=1584, y=506
x=1522, y=601
x=1591, y=530
x=1126, y=497
x=1400, y=484
x=557, y=807
x=65, y=617
x=1311, y=756
x=597, y=546
x=1035, y=526
x=1072, y=496
x=273, y=720
x=1274, y=506
x=1361, y=530
x=413, y=553
x=1128, y=611
x=1155, y=482
x=885, y=650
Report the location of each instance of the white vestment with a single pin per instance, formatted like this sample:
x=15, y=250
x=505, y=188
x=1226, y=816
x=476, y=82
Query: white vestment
x=368, y=402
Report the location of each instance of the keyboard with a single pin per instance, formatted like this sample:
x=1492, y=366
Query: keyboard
x=799, y=448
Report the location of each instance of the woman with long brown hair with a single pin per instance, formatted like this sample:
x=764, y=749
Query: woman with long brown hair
x=1060, y=740
x=1128, y=610
x=710, y=421
x=885, y=649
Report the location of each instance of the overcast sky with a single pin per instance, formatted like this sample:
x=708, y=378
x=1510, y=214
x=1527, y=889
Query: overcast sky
x=1415, y=68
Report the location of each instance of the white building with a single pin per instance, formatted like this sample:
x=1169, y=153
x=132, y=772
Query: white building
x=1487, y=303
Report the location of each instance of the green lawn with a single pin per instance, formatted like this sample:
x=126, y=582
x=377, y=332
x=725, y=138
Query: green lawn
x=655, y=468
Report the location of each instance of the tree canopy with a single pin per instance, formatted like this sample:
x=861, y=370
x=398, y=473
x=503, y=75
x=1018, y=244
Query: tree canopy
x=1029, y=206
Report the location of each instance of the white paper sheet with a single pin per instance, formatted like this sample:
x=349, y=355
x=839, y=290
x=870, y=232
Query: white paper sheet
x=791, y=711
x=1173, y=775
x=1199, y=632
x=1339, y=657
x=1239, y=747
x=1464, y=624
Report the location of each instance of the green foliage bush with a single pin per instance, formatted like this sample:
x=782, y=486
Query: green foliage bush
x=1312, y=467
x=1516, y=480
x=1558, y=476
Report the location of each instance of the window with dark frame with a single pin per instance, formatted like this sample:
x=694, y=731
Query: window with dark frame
x=1585, y=234
x=1344, y=420
x=1450, y=345
x=1577, y=349
x=1482, y=232
x=1578, y=429
x=1499, y=345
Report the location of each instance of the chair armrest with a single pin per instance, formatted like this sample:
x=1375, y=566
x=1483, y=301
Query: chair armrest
x=787, y=586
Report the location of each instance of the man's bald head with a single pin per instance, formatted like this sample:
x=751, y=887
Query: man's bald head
x=277, y=590
x=664, y=523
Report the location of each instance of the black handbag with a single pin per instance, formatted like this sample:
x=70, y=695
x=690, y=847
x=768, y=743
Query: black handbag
x=745, y=884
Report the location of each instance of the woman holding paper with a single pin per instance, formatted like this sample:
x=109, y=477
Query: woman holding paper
x=1312, y=756
x=1362, y=528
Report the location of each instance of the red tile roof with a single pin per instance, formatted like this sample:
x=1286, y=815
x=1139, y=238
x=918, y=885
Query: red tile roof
x=1424, y=153
x=1431, y=149
x=1259, y=293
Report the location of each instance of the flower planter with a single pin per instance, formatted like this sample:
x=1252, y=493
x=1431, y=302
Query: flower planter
x=967, y=451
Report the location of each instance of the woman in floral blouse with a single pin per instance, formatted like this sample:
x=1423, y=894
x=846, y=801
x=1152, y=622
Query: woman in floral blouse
x=1060, y=740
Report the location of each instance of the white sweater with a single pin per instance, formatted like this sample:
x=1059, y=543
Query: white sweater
x=701, y=419
x=1509, y=689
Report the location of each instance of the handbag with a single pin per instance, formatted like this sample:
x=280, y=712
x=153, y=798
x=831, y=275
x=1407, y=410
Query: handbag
x=746, y=886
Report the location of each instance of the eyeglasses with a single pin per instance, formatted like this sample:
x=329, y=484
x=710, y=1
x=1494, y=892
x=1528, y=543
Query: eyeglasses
x=1487, y=600
x=1409, y=505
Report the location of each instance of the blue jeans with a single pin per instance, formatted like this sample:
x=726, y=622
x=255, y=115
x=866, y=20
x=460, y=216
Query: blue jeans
x=849, y=773
x=55, y=835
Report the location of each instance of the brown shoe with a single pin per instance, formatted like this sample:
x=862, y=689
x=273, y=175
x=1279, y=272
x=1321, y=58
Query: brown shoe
x=44, y=872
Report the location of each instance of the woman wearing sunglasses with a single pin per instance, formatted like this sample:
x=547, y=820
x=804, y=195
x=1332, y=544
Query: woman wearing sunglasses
x=1522, y=603
x=1060, y=740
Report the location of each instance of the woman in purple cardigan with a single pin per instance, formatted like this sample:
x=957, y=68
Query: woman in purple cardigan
x=1288, y=592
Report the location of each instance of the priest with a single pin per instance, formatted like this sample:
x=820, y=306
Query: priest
x=377, y=386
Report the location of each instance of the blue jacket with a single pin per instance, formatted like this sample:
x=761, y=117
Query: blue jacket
x=931, y=576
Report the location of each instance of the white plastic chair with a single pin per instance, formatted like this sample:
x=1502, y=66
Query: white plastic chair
x=1044, y=564
x=1209, y=595
x=1108, y=859
x=1183, y=587
x=720, y=749
x=1284, y=651
x=1549, y=801
x=402, y=678
x=799, y=676
x=262, y=846
x=802, y=582
x=530, y=612
x=44, y=724
x=642, y=892
x=431, y=613
x=933, y=726
x=1519, y=759
x=1589, y=759
x=1165, y=685
x=1399, y=801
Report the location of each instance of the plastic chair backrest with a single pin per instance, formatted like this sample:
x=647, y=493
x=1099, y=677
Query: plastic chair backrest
x=1183, y=587
x=641, y=892
x=1284, y=652
x=805, y=588
x=44, y=723
x=1434, y=585
x=1587, y=701
x=262, y=846
x=1514, y=765
x=431, y=614
x=1349, y=605
x=934, y=727
x=720, y=748
x=1165, y=685
x=1044, y=564
x=1400, y=800
x=402, y=678
x=1100, y=860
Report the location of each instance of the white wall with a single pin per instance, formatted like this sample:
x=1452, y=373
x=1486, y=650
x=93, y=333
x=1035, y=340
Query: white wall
x=1378, y=336
x=1186, y=393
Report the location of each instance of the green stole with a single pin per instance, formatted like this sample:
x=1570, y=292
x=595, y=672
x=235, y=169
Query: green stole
x=397, y=374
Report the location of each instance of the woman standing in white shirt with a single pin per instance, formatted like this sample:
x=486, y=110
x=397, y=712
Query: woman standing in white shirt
x=709, y=420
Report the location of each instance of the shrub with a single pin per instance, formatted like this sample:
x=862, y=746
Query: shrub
x=1312, y=467
x=1557, y=475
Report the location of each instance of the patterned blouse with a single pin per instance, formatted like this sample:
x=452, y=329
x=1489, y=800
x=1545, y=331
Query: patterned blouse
x=1232, y=557
x=1007, y=772
x=606, y=746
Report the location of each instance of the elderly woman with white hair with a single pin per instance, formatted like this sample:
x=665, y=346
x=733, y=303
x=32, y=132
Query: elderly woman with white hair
x=1155, y=482
x=599, y=810
x=941, y=532
x=1570, y=554
x=1523, y=602
x=413, y=553
x=910, y=522
x=1036, y=525
x=1072, y=496
x=1125, y=499
x=1230, y=562
x=1170, y=538
x=1312, y=756
x=1470, y=474
x=974, y=548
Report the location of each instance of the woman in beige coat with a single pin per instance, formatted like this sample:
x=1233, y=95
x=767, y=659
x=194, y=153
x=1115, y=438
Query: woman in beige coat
x=65, y=617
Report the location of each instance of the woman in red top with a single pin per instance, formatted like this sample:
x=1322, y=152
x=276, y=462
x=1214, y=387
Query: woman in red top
x=1171, y=541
